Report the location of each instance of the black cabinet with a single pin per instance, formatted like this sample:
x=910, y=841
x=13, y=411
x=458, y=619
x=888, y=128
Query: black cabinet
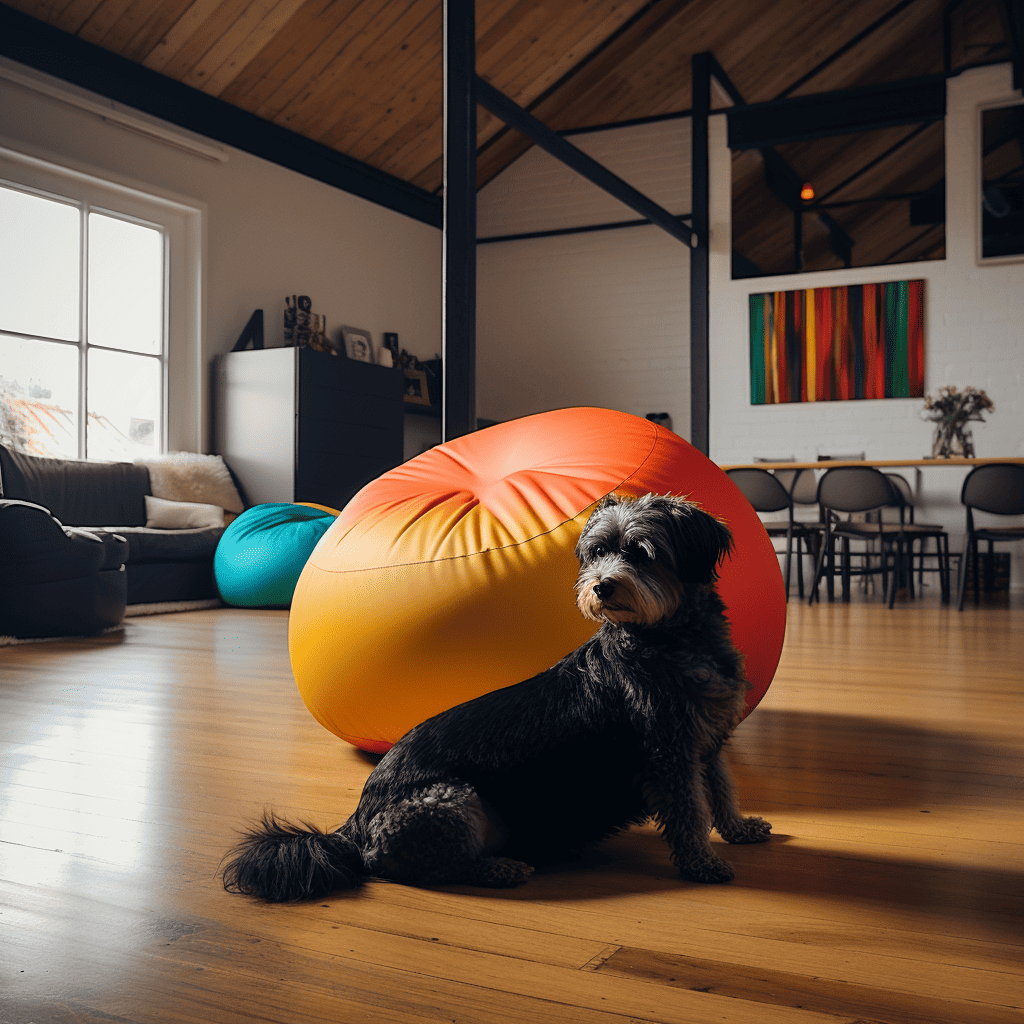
x=299, y=425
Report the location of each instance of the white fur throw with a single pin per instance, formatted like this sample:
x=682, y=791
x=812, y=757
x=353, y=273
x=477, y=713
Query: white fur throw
x=188, y=476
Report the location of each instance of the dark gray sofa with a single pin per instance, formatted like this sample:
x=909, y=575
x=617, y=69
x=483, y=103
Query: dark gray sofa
x=101, y=499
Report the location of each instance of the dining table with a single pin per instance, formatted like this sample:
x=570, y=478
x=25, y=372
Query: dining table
x=877, y=463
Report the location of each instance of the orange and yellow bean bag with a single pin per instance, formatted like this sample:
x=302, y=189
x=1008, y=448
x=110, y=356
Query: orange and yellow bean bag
x=452, y=575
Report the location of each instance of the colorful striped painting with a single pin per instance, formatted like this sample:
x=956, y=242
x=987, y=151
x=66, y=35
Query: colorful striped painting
x=834, y=344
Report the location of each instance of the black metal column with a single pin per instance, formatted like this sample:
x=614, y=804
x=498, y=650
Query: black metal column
x=458, y=332
x=700, y=255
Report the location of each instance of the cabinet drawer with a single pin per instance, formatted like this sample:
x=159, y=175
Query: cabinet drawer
x=328, y=435
x=332, y=478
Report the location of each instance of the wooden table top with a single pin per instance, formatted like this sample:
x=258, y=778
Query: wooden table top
x=877, y=463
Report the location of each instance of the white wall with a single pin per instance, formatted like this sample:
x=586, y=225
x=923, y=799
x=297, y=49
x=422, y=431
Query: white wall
x=974, y=322
x=267, y=232
x=974, y=334
x=602, y=318
x=588, y=319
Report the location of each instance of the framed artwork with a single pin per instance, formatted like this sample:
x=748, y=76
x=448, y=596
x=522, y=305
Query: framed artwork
x=417, y=391
x=358, y=344
x=837, y=344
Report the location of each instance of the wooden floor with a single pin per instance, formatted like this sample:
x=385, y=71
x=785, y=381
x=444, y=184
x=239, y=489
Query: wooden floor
x=888, y=753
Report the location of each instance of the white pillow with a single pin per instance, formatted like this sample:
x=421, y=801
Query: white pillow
x=181, y=515
x=189, y=476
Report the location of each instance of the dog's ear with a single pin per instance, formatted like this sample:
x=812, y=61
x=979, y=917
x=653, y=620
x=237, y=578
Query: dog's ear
x=700, y=542
x=611, y=499
x=606, y=502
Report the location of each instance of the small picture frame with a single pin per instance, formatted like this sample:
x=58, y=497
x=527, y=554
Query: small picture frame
x=358, y=344
x=417, y=391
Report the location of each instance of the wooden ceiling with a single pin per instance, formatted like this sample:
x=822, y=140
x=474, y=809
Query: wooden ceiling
x=364, y=77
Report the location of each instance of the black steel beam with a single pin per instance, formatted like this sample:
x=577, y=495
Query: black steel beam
x=700, y=296
x=632, y=122
x=458, y=331
x=40, y=46
x=911, y=101
x=550, y=141
x=1013, y=14
x=614, y=225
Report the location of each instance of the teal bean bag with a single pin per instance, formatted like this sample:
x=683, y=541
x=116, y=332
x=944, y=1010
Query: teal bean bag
x=261, y=553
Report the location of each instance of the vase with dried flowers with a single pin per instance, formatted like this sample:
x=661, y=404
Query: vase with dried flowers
x=951, y=412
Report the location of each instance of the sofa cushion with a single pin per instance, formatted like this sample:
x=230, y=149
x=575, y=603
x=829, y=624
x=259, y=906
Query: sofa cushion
x=181, y=515
x=153, y=545
x=77, y=493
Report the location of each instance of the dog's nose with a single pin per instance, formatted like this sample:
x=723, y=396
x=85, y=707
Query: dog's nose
x=604, y=590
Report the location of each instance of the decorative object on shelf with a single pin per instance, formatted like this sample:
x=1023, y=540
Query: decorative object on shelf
x=417, y=391
x=358, y=344
x=422, y=378
x=252, y=332
x=951, y=412
x=828, y=344
x=304, y=328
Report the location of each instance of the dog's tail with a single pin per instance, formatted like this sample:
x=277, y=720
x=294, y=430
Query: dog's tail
x=281, y=862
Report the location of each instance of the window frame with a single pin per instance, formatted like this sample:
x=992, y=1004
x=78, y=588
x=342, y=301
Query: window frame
x=183, y=405
x=979, y=170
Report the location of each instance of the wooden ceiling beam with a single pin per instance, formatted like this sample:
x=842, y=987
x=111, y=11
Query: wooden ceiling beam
x=554, y=107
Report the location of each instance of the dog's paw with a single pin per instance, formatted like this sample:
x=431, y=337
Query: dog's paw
x=746, y=830
x=710, y=870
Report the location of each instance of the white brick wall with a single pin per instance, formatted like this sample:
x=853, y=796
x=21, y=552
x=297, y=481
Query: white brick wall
x=603, y=319
x=592, y=319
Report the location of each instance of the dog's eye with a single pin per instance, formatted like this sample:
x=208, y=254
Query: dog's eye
x=599, y=551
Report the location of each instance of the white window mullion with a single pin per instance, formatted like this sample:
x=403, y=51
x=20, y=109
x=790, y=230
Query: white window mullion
x=83, y=336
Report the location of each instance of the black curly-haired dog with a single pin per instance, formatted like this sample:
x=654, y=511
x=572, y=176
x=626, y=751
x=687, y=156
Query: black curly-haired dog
x=628, y=726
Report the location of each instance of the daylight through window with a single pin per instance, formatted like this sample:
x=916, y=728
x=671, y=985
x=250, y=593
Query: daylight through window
x=83, y=328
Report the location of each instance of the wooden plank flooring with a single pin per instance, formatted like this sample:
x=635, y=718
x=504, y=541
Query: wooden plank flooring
x=888, y=754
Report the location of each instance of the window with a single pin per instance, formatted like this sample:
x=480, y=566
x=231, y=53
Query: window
x=91, y=321
x=1002, y=182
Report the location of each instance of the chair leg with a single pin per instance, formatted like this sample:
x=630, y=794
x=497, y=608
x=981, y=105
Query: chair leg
x=942, y=547
x=819, y=567
x=799, y=568
x=965, y=563
x=789, y=559
x=898, y=569
x=845, y=568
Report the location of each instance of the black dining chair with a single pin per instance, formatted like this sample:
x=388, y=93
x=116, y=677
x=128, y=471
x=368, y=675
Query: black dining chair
x=847, y=490
x=996, y=488
x=914, y=533
x=767, y=494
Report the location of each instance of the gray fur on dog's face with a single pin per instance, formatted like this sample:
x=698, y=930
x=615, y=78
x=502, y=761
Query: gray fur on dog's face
x=638, y=556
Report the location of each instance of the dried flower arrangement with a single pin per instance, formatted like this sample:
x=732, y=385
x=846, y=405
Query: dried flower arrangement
x=951, y=412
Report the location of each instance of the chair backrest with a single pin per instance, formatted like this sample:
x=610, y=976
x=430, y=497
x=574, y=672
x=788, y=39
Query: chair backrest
x=997, y=487
x=800, y=483
x=903, y=494
x=854, y=489
x=761, y=489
